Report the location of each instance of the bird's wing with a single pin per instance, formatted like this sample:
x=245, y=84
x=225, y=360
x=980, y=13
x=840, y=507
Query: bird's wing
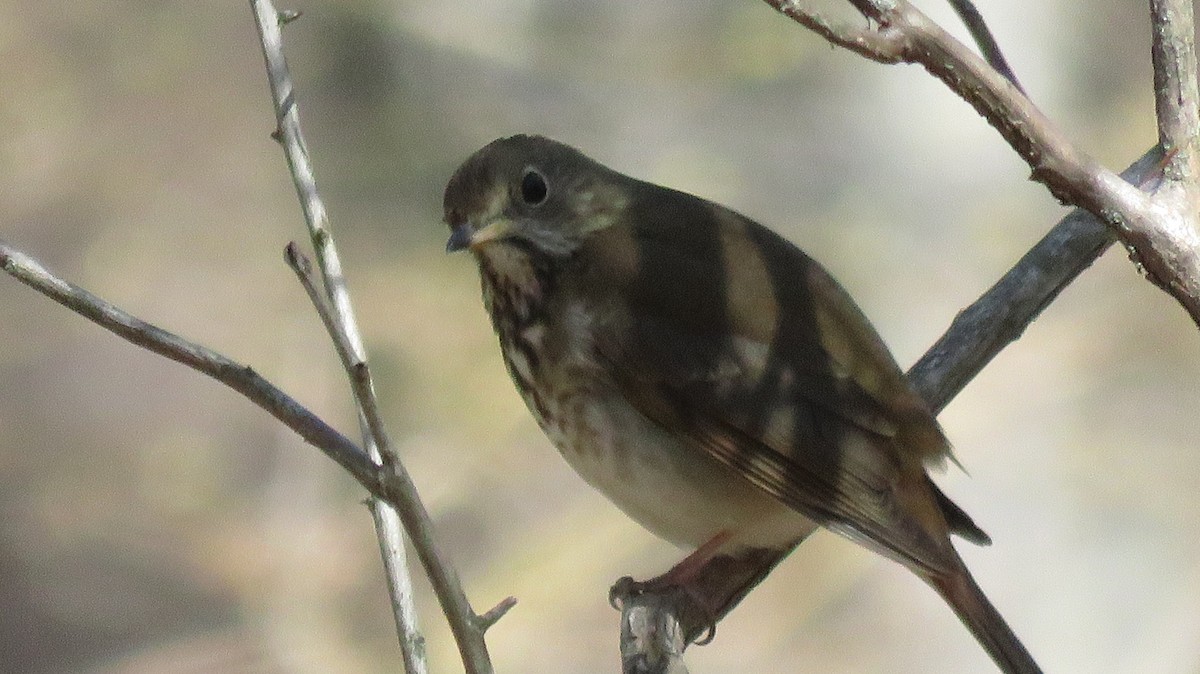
x=747, y=346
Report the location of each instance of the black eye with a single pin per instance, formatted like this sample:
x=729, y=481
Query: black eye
x=533, y=187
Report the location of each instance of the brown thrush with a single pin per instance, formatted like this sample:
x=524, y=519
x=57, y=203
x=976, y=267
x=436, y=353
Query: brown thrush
x=707, y=376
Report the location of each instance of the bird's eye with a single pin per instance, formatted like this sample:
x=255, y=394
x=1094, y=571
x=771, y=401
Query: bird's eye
x=533, y=187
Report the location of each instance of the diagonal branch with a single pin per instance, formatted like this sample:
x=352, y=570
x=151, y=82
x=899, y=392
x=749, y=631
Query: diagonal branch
x=877, y=45
x=1160, y=236
x=236, y=376
x=983, y=37
x=1112, y=208
x=652, y=625
x=383, y=481
x=1000, y=315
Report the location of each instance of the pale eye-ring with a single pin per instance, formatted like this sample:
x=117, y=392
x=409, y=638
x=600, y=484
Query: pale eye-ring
x=533, y=187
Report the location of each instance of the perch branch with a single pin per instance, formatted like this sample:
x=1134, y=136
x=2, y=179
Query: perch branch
x=651, y=623
x=1000, y=315
x=1112, y=208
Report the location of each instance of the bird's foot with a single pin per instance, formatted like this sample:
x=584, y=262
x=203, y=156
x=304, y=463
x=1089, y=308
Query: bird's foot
x=681, y=598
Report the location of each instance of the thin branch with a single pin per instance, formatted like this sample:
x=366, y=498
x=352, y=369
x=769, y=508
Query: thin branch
x=341, y=324
x=386, y=519
x=269, y=22
x=983, y=37
x=862, y=40
x=360, y=376
x=400, y=588
x=1173, y=52
x=651, y=624
x=1162, y=240
x=299, y=263
x=381, y=480
x=343, y=327
x=387, y=522
x=494, y=614
x=339, y=320
x=236, y=376
x=1000, y=315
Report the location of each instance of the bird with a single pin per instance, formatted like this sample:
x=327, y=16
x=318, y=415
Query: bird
x=707, y=376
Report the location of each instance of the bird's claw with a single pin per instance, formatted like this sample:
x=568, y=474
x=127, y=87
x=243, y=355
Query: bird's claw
x=626, y=587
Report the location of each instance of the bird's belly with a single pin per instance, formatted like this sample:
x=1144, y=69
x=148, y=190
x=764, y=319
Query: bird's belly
x=658, y=478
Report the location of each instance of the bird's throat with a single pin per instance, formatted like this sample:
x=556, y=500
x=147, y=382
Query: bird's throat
x=517, y=287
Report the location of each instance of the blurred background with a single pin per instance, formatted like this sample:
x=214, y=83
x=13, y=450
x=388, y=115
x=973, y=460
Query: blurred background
x=153, y=521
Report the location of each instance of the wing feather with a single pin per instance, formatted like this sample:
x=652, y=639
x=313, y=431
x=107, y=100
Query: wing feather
x=751, y=349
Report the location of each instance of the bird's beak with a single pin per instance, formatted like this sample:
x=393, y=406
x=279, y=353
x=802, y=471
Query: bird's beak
x=465, y=236
x=460, y=237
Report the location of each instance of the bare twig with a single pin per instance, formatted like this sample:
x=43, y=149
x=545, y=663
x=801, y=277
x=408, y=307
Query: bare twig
x=380, y=480
x=387, y=523
x=493, y=615
x=1000, y=315
x=340, y=323
x=651, y=625
x=1160, y=238
x=338, y=316
x=342, y=326
x=236, y=376
x=1173, y=50
x=998, y=318
x=400, y=589
x=865, y=41
x=983, y=37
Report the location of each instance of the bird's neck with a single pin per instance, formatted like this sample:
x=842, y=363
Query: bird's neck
x=518, y=287
x=517, y=283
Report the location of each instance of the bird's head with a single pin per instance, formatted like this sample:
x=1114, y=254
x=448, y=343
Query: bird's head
x=531, y=192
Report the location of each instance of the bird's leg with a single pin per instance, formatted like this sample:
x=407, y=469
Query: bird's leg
x=689, y=568
x=707, y=583
x=679, y=578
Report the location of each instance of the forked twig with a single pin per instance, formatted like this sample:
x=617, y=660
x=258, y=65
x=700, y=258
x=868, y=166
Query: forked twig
x=337, y=314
